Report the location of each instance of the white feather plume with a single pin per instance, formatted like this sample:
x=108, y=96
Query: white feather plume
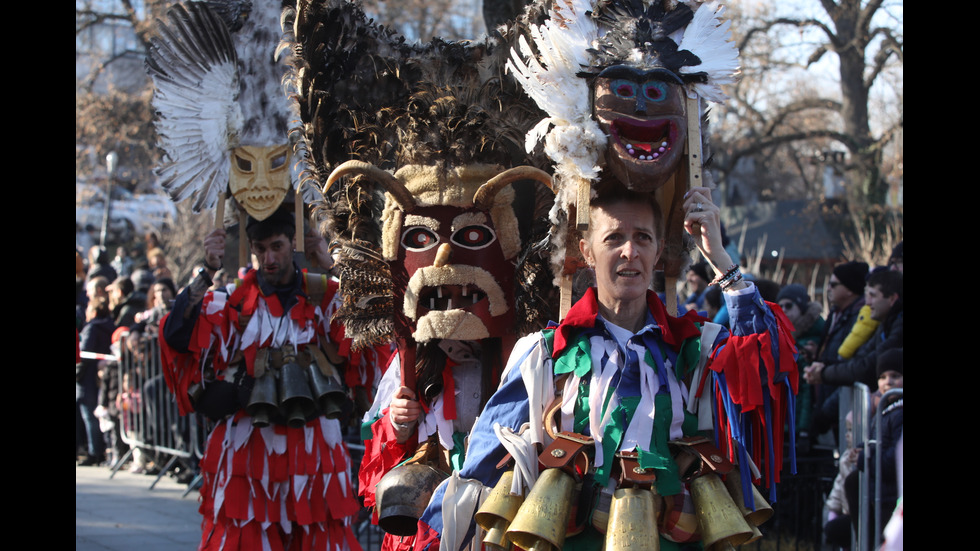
x=571, y=138
x=709, y=38
x=195, y=75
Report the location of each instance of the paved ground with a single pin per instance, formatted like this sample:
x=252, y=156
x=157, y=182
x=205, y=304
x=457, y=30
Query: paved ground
x=123, y=514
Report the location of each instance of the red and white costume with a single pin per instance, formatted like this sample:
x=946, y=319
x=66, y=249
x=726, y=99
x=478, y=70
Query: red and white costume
x=276, y=487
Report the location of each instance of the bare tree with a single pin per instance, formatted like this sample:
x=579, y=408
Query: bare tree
x=423, y=19
x=780, y=113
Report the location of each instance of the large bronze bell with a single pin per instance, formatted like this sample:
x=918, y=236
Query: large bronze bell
x=497, y=512
x=263, y=403
x=402, y=495
x=296, y=400
x=542, y=521
x=718, y=516
x=633, y=521
x=600, y=513
x=763, y=511
x=327, y=391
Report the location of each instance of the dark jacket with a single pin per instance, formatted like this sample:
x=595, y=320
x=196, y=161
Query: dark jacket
x=862, y=368
x=96, y=336
x=892, y=421
x=834, y=334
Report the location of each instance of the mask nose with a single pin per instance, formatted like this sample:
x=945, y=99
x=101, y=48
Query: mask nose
x=443, y=255
x=641, y=103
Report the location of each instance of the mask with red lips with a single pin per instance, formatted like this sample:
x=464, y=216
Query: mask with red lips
x=643, y=114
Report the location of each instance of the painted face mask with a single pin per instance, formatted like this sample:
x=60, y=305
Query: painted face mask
x=259, y=178
x=452, y=260
x=643, y=114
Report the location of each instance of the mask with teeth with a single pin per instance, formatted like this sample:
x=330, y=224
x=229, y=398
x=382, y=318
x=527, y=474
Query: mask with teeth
x=642, y=113
x=452, y=257
x=259, y=178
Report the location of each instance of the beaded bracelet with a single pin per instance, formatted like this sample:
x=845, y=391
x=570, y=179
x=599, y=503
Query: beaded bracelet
x=727, y=283
x=729, y=273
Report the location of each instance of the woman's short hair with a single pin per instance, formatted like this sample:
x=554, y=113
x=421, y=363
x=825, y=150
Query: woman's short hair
x=613, y=193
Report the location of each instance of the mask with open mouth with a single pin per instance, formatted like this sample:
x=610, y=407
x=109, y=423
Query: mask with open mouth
x=451, y=241
x=451, y=276
x=643, y=114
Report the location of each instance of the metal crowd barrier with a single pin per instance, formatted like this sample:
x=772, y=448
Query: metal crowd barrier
x=148, y=415
x=858, y=400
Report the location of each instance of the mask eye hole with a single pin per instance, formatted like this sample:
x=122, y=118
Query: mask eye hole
x=278, y=161
x=474, y=237
x=624, y=88
x=243, y=164
x=655, y=91
x=419, y=239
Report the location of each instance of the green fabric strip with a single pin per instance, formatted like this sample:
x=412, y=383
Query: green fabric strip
x=613, y=435
x=576, y=359
x=458, y=453
x=658, y=457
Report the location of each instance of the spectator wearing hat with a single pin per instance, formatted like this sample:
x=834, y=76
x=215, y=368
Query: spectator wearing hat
x=808, y=326
x=884, y=295
x=845, y=293
x=897, y=259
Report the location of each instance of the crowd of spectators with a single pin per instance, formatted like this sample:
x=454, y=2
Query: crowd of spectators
x=850, y=333
x=119, y=305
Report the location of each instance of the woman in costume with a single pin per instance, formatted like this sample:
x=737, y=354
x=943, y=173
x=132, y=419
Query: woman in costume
x=623, y=376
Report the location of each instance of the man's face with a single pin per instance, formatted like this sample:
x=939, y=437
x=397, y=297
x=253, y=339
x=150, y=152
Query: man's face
x=644, y=118
x=791, y=310
x=839, y=295
x=275, y=259
x=879, y=303
x=623, y=247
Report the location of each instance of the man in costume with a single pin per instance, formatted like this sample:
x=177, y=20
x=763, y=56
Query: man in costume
x=629, y=404
x=416, y=146
x=275, y=469
x=259, y=357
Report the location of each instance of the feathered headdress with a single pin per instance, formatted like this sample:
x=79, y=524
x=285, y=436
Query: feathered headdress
x=409, y=110
x=217, y=87
x=557, y=63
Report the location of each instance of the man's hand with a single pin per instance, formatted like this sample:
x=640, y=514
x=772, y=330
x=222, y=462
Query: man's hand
x=813, y=373
x=214, y=249
x=404, y=412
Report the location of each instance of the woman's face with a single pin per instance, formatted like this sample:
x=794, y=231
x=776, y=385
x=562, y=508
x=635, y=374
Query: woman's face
x=623, y=247
x=161, y=295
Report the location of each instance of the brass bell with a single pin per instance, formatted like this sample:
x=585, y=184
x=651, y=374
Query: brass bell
x=633, y=521
x=763, y=511
x=402, y=496
x=718, y=517
x=327, y=391
x=296, y=400
x=263, y=402
x=600, y=514
x=497, y=512
x=542, y=521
